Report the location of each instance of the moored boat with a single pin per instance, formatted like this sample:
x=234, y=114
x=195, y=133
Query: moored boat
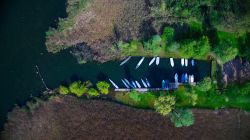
x=125, y=61
x=134, y=85
x=157, y=60
x=167, y=85
x=144, y=83
x=183, y=78
x=192, y=79
x=148, y=84
x=163, y=84
x=172, y=62
x=113, y=83
x=152, y=61
x=138, y=85
x=186, y=78
x=186, y=62
x=182, y=62
x=128, y=83
x=192, y=62
x=125, y=84
x=139, y=63
x=176, y=78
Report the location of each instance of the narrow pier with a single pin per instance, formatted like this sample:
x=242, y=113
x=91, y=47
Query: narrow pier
x=172, y=86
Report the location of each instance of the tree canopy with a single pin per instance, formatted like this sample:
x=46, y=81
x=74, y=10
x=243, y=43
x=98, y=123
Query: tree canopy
x=164, y=104
x=205, y=84
x=182, y=117
x=103, y=87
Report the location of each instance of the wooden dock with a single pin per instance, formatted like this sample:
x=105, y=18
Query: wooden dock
x=172, y=86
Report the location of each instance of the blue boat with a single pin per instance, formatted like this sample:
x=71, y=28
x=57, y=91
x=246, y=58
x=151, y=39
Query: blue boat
x=186, y=78
x=167, y=85
x=126, y=85
x=163, y=84
x=192, y=62
x=183, y=78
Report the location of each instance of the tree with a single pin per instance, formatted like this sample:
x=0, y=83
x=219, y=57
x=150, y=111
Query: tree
x=168, y=35
x=205, y=84
x=164, y=104
x=78, y=88
x=182, y=117
x=227, y=48
x=135, y=96
x=93, y=92
x=103, y=87
x=63, y=90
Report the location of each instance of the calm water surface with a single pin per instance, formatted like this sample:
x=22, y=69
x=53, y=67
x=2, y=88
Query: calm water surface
x=22, y=35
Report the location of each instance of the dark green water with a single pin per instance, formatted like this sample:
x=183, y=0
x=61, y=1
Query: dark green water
x=22, y=37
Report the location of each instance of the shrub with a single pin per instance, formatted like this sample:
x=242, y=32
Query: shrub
x=103, y=87
x=93, y=92
x=227, y=48
x=134, y=95
x=164, y=105
x=168, y=35
x=78, y=88
x=204, y=85
x=182, y=117
x=63, y=90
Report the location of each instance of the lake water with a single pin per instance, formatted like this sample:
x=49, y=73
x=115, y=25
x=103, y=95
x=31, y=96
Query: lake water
x=22, y=37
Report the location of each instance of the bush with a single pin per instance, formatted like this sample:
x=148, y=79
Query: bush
x=93, y=92
x=227, y=48
x=195, y=48
x=78, y=88
x=134, y=95
x=204, y=85
x=103, y=87
x=63, y=90
x=164, y=104
x=182, y=117
x=168, y=35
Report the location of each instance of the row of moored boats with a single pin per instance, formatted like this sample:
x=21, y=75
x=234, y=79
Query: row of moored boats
x=133, y=84
x=184, y=62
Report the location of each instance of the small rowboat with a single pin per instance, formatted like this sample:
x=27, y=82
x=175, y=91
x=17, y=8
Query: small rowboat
x=172, y=62
x=138, y=85
x=125, y=84
x=125, y=61
x=182, y=62
x=139, y=63
x=144, y=83
x=176, y=78
x=148, y=84
x=186, y=62
x=113, y=83
x=157, y=60
x=152, y=61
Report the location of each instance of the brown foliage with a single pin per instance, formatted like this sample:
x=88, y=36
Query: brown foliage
x=71, y=118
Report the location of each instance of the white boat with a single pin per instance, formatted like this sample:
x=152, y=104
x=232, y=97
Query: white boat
x=125, y=61
x=144, y=83
x=125, y=84
x=157, y=60
x=172, y=62
x=186, y=62
x=192, y=78
x=133, y=83
x=128, y=83
x=152, y=61
x=138, y=85
x=148, y=84
x=192, y=62
x=113, y=84
x=176, y=78
x=182, y=62
x=139, y=63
